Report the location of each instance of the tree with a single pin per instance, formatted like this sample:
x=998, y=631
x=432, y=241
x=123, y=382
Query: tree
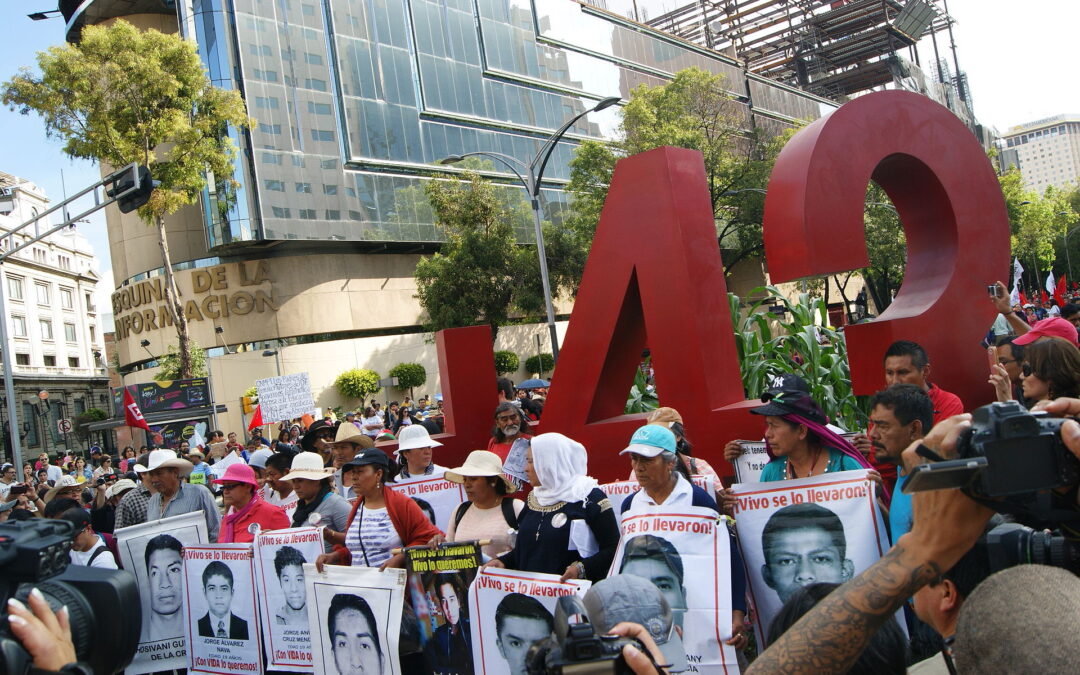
x=84, y=419
x=481, y=274
x=886, y=246
x=1037, y=224
x=170, y=368
x=692, y=111
x=357, y=383
x=409, y=375
x=506, y=362
x=540, y=363
x=122, y=95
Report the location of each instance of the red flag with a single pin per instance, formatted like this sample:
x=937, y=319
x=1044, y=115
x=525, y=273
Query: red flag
x=256, y=419
x=133, y=417
x=1059, y=291
x=1043, y=296
x=1023, y=299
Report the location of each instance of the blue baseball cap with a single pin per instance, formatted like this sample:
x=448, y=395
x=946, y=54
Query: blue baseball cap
x=650, y=440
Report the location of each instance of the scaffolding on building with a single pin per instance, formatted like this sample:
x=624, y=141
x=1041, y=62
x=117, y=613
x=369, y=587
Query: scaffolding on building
x=833, y=48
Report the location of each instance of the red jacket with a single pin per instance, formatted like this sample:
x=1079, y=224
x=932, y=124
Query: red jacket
x=268, y=516
x=409, y=522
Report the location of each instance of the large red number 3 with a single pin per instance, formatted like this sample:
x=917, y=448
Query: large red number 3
x=950, y=203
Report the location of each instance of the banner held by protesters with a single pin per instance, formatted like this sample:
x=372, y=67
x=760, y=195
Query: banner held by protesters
x=222, y=617
x=279, y=566
x=513, y=609
x=618, y=491
x=683, y=550
x=441, y=495
x=439, y=579
x=356, y=614
x=793, y=533
x=154, y=553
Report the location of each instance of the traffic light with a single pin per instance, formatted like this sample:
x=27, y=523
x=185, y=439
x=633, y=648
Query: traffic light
x=137, y=198
x=248, y=404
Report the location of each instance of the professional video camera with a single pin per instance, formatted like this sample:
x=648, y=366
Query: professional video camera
x=1011, y=544
x=1010, y=460
x=574, y=646
x=103, y=605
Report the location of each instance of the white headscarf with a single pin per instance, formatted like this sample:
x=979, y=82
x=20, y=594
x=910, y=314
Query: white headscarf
x=561, y=464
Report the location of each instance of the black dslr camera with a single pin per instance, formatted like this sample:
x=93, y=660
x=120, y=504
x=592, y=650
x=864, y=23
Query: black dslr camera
x=1011, y=544
x=574, y=646
x=103, y=605
x=1010, y=460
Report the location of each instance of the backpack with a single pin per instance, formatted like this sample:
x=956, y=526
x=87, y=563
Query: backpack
x=507, y=510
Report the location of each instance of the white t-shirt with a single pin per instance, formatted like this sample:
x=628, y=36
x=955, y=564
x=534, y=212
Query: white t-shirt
x=5, y=488
x=289, y=502
x=104, y=561
x=371, y=537
x=55, y=473
x=371, y=420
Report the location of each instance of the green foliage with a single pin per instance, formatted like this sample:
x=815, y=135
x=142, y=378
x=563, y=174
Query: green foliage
x=765, y=352
x=169, y=364
x=641, y=398
x=357, y=383
x=539, y=363
x=887, y=246
x=84, y=419
x=122, y=95
x=409, y=375
x=480, y=275
x=1037, y=224
x=506, y=362
x=252, y=392
x=692, y=111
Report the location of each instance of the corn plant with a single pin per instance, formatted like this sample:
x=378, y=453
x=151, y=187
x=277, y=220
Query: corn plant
x=765, y=353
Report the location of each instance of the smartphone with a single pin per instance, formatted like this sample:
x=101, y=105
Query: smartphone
x=956, y=473
x=19, y=489
x=994, y=291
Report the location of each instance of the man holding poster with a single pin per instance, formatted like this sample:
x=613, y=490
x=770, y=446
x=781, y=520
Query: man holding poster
x=279, y=562
x=221, y=609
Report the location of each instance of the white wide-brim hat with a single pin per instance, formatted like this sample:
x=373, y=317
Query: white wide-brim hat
x=483, y=464
x=415, y=436
x=165, y=459
x=308, y=465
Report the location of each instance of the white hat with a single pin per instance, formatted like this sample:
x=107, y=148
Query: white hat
x=122, y=485
x=165, y=459
x=480, y=463
x=415, y=436
x=308, y=465
x=62, y=484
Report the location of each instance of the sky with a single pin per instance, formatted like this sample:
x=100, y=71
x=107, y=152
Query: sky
x=1019, y=57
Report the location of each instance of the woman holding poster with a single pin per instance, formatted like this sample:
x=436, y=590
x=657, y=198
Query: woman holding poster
x=381, y=520
x=567, y=526
x=797, y=437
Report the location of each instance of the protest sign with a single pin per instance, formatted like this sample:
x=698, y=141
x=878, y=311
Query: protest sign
x=438, y=495
x=617, y=492
x=356, y=615
x=222, y=619
x=153, y=552
x=749, y=464
x=685, y=551
x=794, y=533
x=513, y=609
x=218, y=467
x=279, y=566
x=285, y=397
x=438, y=583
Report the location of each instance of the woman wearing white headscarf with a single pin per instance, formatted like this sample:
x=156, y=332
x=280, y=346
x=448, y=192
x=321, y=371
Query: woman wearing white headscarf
x=567, y=526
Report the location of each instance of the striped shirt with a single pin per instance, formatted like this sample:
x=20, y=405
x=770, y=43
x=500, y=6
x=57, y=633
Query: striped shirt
x=371, y=537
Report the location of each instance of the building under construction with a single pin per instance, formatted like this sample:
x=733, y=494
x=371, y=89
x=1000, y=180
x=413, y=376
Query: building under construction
x=835, y=49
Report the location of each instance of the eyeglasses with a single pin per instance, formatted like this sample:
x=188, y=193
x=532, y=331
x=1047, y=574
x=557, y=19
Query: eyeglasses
x=1026, y=370
x=229, y=486
x=1004, y=361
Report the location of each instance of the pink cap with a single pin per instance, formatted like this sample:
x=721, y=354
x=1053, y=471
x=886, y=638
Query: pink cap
x=239, y=473
x=1054, y=327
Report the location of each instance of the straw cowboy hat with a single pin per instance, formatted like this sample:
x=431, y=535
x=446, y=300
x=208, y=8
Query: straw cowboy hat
x=480, y=463
x=165, y=459
x=308, y=465
x=349, y=433
x=65, y=483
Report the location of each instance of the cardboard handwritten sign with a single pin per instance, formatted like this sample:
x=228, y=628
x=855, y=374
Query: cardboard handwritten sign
x=222, y=617
x=279, y=566
x=285, y=397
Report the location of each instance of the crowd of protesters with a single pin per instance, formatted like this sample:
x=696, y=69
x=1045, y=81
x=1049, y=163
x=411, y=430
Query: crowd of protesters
x=938, y=573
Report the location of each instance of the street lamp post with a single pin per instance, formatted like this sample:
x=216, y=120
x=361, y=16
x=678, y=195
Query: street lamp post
x=531, y=177
x=276, y=353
